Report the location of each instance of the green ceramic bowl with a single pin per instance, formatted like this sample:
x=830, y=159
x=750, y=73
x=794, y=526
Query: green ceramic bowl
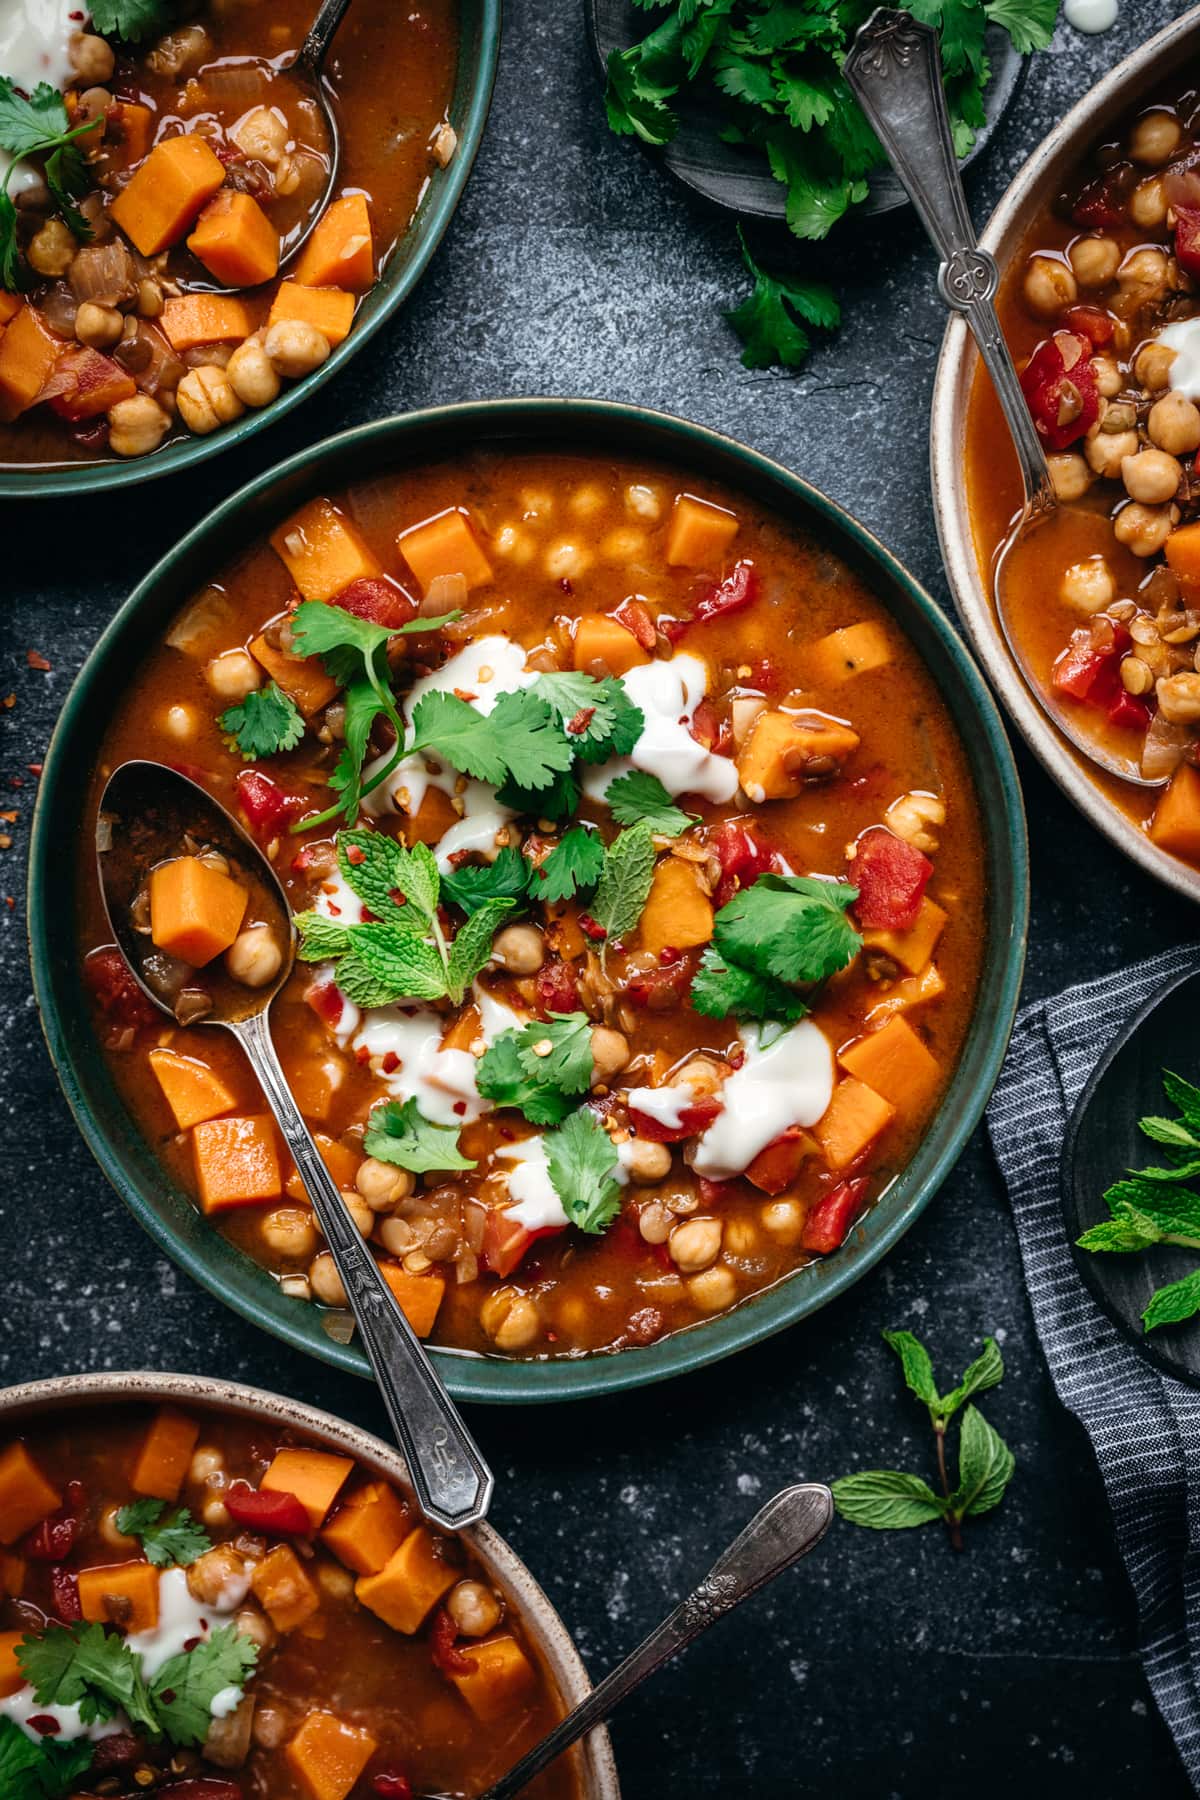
x=59, y=826
x=479, y=49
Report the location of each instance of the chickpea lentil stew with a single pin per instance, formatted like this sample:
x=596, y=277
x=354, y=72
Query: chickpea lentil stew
x=200, y=1608
x=636, y=971
x=141, y=294
x=1103, y=313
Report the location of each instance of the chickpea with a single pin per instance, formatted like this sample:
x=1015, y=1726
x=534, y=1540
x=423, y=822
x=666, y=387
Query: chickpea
x=91, y=57
x=289, y=1231
x=179, y=722
x=587, y=500
x=642, y=502
x=52, y=250
x=1142, y=529
x=1094, y=261
x=111, y=1534
x=270, y=1727
x=915, y=817
x=1070, y=475
x=252, y=374
x=511, y=1319
x=519, y=949
x=655, y=1223
x=1179, y=698
x=1050, y=287
x=136, y=426
x=326, y=1282
x=255, y=1625
x=206, y=1461
x=1174, y=424
x=518, y=545
x=1148, y=203
x=567, y=562
x=254, y=958
x=206, y=399
x=784, y=1221
x=646, y=1162
x=262, y=134
x=1107, y=371
x=610, y=1053
x=1152, y=367
x=1088, y=585
x=713, y=1289
x=1154, y=138
x=295, y=348
x=1145, y=268
x=695, y=1244
x=149, y=299
x=215, y=1514
x=473, y=1607
x=444, y=144
x=381, y=1184
x=219, y=1579
x=623, y=545
x=1107, y=450
x=703, y=1076
x=335, y=1581
x=98, y=327
x=396, y=1235
x=1151, y=476
x=233, y=675
x=359, y=1211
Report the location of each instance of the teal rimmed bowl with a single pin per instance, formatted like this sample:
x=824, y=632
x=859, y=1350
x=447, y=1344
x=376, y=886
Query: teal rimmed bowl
x=59, y=822
x=478, y=52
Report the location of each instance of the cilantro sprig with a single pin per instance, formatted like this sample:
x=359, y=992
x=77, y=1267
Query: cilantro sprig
x=472, y=886
x=582, y=1161
x=1155, y=1206
x=573, y=865
x=782, y=933
x=42, y=1770
x=892, y=1500
x=132, y=20
x=173, y=1540
x=399, y=1133
x=773, y=320
x=37, y=125
x=186, y=1686
x=540, y=1068
x=264, y=723
x=639, y=796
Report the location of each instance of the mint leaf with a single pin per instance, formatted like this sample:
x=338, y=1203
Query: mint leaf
x=472, y=948
x=914, y=1360
x=321, y=938
x=625, y=879
x=1172, y=1304
x=638, y=796
x=886, y=1500
x=186, y=1686
x=174, y=1541
x=1170, y=1131
x=1184, y=1096
x=399, y=1133
x=472, y=885
x=985, y=1466
x=582, y=1160
x=723, y=990
x=383, y=965
x=265, y=723
x=987, y=1371
x=574, y=863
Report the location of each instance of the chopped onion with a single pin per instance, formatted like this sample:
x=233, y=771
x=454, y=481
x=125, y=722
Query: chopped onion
x=338, y=1325
x=198, y=631
x=1164, y=748
x=103, y=273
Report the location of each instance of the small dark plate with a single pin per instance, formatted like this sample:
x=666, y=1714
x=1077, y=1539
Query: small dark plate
x=1103, y=1142
x=739, y=179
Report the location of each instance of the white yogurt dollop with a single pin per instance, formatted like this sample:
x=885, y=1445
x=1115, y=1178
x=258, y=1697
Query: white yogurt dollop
x=538, y=1207
x=34, y=40
x=1184, y=338
x=668, y=694
x=790, y=1082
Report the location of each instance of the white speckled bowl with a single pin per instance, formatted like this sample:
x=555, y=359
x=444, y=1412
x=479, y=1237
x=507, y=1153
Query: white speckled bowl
x=1037, y=181
x=546, y=1631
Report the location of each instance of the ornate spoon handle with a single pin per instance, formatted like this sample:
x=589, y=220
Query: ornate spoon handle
x=319, y=36
x=453, y=1483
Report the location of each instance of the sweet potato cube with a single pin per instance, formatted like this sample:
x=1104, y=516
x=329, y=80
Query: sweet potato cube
x=166, y=1452
x=10, y=306
x=603, y=646
x=26, y=1496
x=166, y=192
x=235, y=240
x=500, y=1678
x=191, y=320
x=678, y=913
x=854, y=650
x=28, y=353
x=12, y=1574
x=327, y=1756
x=314, y=1082
x=432, y=819
x=410, y=1583
x=1182, y=551
x=342, y=1165
x=1176, y=822
x=368, y=1528
x=852, y=1121
x=914, y=990
x=445, y=545
x=283, y=1589
x=303, y=679
x=11, y=1676
x=340, y=253
x=191, y=1089
x=329, y=309
x=237, y=1163
x=129, y=124
x=122, y=1594
x=911, y=949
x=322, y=550
x=784, y=750
x=313, y=1476
x=195, y=910
x=463, y=1030
x=897, y=1064
x=418, y=1296
x=700, y=532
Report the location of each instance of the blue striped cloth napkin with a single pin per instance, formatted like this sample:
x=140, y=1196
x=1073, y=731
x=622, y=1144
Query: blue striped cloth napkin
x=1144, y=1427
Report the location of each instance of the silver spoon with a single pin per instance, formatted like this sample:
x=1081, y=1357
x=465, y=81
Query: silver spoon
x=784, y=1530
x=146, y=812
x=895, y=72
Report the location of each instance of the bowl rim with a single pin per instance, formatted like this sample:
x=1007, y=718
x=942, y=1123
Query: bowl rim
x=212, y=1393
x=956, y=367
x=688, y=445
x=481, y=25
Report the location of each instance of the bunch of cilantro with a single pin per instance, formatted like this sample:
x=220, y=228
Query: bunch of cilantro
x=771, y=73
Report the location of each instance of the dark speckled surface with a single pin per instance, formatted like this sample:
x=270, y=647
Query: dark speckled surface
x=885, y=1666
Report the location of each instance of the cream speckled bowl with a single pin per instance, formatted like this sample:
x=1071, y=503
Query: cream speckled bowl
x=546, y=1631
x=1153, y=62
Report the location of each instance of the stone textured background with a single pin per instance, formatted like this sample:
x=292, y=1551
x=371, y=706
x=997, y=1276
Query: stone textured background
x=885, y=1665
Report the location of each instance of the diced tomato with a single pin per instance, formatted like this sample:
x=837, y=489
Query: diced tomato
x=327, y=1001
x=442, y=1637
x=85, y=384
x=891, y=878
x=1064, y=401
x=1084, y=672
x=634, y=617
x=506, y=1241
x=828, y=1223
x=709, y=729
x=1127, y=713
x=1095, y=324
x=54, y=1539
x=692, y=1119
x=713, y=1192
x=556, y=988
x=381, y=601
x=659, y=989
x=743, y=857
x=777, y=1167
x=717, y=600
x=1187, y=239
x=64, y=1595
x=265, y=1510
x=1101, y=205
x=390, y=1784
x=266, y=806
x=109, y=978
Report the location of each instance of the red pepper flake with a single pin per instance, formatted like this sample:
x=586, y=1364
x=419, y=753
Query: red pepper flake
x=34, y=768
x=389, y=1784
x=390, y=1063
x=45, y=1723
x=15, y=781
x=465, y=694
x=10, y=700
x=592, y=928
x=668, y=955
x=736, y=1058
x=582, y=720
x=565, y=584
x=36, y=660
x=362, y=1055
x=335, y=910
x=10, y=902
x=460, y=1107
x=355, y=855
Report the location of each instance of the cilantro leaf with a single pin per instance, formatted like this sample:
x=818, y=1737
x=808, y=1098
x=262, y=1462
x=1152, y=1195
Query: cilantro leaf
x=37, y=124
x=574, y=863
x=791, y=927
x=557, y=800
x=771, y=320
x=557, y=1052
x=176, y=1540
x=40, y=1771
x=640, y=796
x=505, y=879
x=399, y=1133
x=31, y=122
x=642, y=79
x=1029, y=23
x=83, y=1665
x=582, y=1160
x=502, y=1078
x=517, y=741
x=186, y=1686
x=265, y=723
x=722, y=990
x=625, y=879
x=132, y=20
x=599, y=718
x=886, y=1500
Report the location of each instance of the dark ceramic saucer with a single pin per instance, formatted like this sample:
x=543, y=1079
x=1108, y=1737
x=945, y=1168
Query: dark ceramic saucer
x=1103, y=1141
